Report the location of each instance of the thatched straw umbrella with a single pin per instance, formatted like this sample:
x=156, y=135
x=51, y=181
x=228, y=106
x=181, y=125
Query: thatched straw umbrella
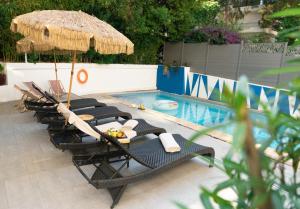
x=28, y=45
x=73, y=31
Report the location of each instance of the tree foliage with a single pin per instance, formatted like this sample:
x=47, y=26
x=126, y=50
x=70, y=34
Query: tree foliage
x=280, y=24
x=147, y=23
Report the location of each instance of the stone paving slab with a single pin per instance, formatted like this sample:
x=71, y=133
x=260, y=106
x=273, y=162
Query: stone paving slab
x=36, y=175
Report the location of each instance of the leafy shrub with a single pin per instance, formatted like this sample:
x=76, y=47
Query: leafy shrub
x=207, y=12
x=1, y=69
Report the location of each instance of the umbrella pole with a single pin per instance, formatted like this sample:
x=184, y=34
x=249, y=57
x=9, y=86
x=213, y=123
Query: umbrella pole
x=71, y=79
x=56, y=77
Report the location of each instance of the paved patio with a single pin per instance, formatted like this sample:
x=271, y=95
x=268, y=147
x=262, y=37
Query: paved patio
x=35, y=175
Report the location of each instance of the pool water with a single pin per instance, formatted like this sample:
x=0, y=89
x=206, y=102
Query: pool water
x=195, y=111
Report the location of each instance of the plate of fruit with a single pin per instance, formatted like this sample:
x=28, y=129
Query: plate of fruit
x=116, y=133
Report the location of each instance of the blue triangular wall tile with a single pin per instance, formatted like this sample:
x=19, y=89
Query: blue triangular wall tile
x=215, y=94
x=283, y=102
x=255, y=95
x=204, y=79
x=234, y=87
x=198, y=90
x=188, y=89
x=270, y=94
x=195, y=79
x=223, y=92
x=297, y=103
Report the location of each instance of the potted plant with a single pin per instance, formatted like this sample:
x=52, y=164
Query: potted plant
x=2, y=75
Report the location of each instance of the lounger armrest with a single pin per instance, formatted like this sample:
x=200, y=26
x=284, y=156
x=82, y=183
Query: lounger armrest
x=44, y=109
x=40, y=104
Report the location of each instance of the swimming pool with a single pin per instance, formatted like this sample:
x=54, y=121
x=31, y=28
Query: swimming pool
x=193, y=110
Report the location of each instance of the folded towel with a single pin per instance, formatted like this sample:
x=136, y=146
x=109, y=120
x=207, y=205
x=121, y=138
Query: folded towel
x=130, y=124
x=169, y=142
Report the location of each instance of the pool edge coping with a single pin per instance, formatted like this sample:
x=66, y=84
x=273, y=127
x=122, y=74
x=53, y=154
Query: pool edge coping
x=270, y=152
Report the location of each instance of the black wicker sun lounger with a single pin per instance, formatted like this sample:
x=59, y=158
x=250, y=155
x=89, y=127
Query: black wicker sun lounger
x=149, y=154
x=48, y=114
x=74, y=104
x=79, y=142
x=56, y=120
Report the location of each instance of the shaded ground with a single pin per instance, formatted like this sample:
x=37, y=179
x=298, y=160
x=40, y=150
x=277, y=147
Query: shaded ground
x=35, y=175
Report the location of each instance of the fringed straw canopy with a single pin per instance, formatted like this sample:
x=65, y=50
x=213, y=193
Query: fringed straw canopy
x=72, y=31
x=28, y=45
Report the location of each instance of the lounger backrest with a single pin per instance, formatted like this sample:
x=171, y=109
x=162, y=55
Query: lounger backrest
x=56, y=87
x=26, y=93
x=30, y=85
x=51, y=98
x=44, y=94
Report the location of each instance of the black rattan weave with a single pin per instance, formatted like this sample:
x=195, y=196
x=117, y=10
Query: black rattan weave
x=150, y=154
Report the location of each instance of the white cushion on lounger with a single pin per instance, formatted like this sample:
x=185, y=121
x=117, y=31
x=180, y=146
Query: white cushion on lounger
x=106, y=126
x=169, y=142
x=62, y=108
x=130, y=124
x=77, y=121
x=82, y=125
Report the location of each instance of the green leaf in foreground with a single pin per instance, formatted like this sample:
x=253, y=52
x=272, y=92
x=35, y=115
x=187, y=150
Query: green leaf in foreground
x=180, y=205
x=239, y=136
x=294, y=61
x=283, y=70
x=287, y=13
x=205, y=198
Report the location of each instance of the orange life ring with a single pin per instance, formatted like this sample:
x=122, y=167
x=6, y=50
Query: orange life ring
x=86, y=76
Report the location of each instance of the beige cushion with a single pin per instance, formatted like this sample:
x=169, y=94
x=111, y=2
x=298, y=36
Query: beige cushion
x=73, y=119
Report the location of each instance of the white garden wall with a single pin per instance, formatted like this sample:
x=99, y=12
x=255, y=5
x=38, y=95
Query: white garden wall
x=102, y=78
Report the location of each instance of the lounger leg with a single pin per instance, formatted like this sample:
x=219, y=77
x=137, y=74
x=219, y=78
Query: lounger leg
x=116, y=194
x=211, y=161
x=127, y=157
x=211, y=158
